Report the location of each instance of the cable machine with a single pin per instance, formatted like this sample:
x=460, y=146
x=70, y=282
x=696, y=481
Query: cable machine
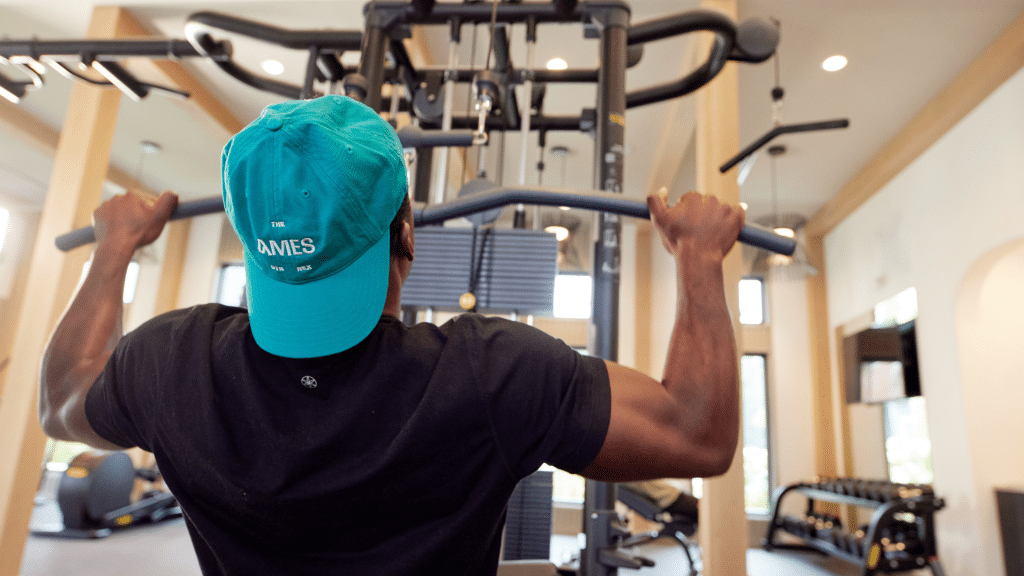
x=428, y=97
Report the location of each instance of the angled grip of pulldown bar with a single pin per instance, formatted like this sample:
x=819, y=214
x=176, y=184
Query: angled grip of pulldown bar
x=752, y=41
x=199, y=27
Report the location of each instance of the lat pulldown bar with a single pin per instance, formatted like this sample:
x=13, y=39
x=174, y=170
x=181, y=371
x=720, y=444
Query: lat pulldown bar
x=500, y=196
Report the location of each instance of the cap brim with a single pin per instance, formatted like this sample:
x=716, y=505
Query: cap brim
x=323, y=317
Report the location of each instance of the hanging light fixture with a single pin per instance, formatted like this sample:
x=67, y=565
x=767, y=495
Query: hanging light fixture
x=790, y=225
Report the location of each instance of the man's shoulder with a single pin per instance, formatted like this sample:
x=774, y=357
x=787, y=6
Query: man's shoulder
x=185, y=320
x=499, y=335
x=484, y=325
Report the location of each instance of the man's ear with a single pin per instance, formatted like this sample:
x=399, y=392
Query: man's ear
x=408, y=241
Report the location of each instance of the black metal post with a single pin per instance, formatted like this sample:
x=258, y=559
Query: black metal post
x=424, y=162
x=371, y=66
x=311, y=73
x=613, y=20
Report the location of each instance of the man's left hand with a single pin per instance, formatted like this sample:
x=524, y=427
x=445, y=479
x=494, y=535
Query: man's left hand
x=132, y=220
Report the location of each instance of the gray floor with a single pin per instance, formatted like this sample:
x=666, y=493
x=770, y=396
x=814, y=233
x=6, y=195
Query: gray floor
x=164, y=549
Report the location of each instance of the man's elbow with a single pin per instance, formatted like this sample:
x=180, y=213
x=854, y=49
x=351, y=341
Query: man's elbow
x=719, y=464
x=719, y=456
x=53, y=415
x=51, y=424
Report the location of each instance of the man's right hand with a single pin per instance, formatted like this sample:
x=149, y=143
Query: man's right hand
x=687, y=425
x=697, y=222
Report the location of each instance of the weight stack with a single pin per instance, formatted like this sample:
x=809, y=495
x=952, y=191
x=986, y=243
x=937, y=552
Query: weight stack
x=528, y=523
x=514, y=270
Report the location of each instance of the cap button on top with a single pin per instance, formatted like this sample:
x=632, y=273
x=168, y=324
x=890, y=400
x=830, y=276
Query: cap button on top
x=274, y=123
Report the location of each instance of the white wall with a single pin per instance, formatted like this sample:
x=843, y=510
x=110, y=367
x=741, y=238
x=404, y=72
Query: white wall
x=13, y=253
x=961, y=199
x=989, y=318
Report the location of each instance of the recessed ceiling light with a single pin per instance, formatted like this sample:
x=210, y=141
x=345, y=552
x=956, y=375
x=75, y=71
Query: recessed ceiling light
x=273, y=67
x=787, y=232
x=744, y=205
x=557, y=64
x=833, y=63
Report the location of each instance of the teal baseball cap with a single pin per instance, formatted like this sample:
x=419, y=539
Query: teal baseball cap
x=311, y=188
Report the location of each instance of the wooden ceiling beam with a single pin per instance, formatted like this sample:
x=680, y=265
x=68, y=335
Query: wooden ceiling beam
x=178, y=75
x=34, y=132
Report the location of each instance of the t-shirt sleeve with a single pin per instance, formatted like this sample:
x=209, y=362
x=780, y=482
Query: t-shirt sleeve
x=546, y=402
x=108, y=404
x=125, y=404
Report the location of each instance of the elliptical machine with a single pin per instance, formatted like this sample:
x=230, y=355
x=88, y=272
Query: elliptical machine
x=94, y=497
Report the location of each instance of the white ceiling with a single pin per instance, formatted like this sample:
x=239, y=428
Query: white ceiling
x=901, y=54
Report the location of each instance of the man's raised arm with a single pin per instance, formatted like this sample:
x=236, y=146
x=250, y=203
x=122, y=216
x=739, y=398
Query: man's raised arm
x=91, y=326
x=687, y=425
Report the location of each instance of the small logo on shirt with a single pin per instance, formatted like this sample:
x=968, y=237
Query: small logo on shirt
x=309, y=382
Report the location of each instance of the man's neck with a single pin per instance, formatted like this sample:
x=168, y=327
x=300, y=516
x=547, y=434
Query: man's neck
x=393, y=300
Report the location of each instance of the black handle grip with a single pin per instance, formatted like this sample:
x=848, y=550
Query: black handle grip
x=415, y=137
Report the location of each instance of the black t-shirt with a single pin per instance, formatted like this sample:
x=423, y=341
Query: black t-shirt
x=397, y=456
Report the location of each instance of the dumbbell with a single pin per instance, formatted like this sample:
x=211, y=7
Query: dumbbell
x=855, y=545
x=877, y=490
x=887, y=492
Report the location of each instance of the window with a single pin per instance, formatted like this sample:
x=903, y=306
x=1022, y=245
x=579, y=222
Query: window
x=907, y=447
x=573, y=295
x=131, y=281
x=756, y=467
x=5, y=217
x=566, y=488
x=231, y=285
x=751, y=301
x=899, y=309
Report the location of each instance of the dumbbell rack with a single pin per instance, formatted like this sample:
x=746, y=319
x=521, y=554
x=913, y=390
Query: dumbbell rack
x=900, y=536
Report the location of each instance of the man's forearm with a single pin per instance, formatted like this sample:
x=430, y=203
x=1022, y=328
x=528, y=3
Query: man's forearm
x=701, y=370
x=85, y=335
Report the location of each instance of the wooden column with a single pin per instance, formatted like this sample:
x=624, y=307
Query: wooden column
x=173, y=264
x=643, y=304
x=76, y=183
x=723, y=520
x=825, y=461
